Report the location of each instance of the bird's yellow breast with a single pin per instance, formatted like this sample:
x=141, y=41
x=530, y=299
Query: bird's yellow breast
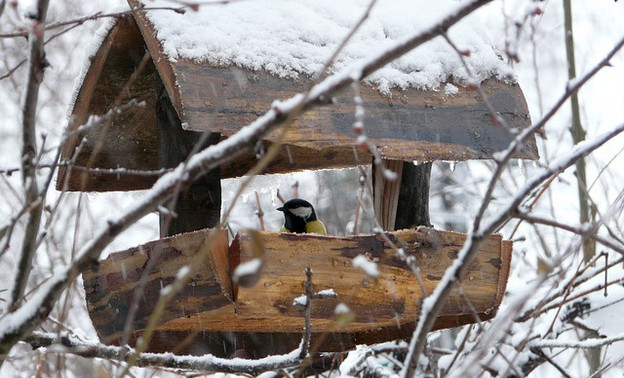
x=316, y=227
x=313, y=227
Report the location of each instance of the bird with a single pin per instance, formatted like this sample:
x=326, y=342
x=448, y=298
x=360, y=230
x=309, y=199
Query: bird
x=299, y=217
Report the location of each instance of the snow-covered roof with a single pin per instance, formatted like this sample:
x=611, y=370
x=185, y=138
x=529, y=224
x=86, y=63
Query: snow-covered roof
x=288, y=38
x=224, y=65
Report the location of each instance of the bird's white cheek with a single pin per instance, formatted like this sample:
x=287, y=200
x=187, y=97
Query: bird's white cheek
x=303, y=212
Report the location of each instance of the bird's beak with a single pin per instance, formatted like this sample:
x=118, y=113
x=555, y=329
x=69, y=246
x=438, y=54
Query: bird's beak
x=280, y=209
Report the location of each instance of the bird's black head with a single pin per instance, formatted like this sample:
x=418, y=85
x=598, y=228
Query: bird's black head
x=297, y=213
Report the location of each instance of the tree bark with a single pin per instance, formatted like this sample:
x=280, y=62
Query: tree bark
x=36, y=67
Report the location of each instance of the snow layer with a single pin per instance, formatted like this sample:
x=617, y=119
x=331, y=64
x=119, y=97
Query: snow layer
x=91, y=50
x=369, y=267
x=289, y=38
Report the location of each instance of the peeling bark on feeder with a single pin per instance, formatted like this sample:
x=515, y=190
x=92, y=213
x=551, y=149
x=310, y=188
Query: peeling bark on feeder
x=402, y=201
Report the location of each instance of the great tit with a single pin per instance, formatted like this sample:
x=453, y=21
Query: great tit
x=299, y=217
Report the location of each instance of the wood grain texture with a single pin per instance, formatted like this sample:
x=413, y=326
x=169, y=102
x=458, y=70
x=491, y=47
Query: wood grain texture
x=385, y=307
x=138, y=275
x=458, y=127
x=413, y=198
x=386, y=192
x=386, y=301
x=128, y=139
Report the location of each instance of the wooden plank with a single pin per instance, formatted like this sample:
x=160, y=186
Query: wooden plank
x=505, y=266
x=126, y=140
x=203, y=317
x=388, y=301
x=138, y=275
x=459, y=127
x=410, y=125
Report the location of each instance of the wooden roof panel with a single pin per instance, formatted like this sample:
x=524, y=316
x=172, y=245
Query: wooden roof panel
x=405, y=127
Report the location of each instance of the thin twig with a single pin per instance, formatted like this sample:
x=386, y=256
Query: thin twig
x=307, y=332
x=259, y=212
x=81, y=20
x=588, y=232
x=503, y=158
x=585, y=344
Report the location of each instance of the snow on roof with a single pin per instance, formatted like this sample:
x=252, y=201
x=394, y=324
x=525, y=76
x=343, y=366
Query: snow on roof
x=90, y=51
x=289, y=38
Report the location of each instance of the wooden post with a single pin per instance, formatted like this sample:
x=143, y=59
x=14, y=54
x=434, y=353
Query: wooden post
x=402, y=202
x=198, y=206
x=386, y=193
x=413, y=201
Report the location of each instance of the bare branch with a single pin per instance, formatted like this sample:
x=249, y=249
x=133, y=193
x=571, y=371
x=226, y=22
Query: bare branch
x=543, y=355
x=589, y=232
x=307, y=332
x=573, y=282
x=503, y=157
x=81, y=20
x=36, y=65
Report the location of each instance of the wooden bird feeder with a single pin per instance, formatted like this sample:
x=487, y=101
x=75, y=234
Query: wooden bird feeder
x=212, y=314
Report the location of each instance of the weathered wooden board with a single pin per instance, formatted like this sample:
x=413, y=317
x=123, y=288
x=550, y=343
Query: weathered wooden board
x=410, y=125
x=387, y=301
x=125, y=140
x=385, y=308
x=136, y=277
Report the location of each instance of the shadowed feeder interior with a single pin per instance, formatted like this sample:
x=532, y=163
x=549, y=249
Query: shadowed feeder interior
x=186, y=104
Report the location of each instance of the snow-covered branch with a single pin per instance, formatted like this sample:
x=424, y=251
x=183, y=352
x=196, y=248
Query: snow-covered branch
x=37, y=65
x=502, y=158
x=585, y=344
x=433, y=304
x=87, y=348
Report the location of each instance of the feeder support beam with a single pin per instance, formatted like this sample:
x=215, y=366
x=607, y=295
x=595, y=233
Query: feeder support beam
x=198, y=206
x=402, y=202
